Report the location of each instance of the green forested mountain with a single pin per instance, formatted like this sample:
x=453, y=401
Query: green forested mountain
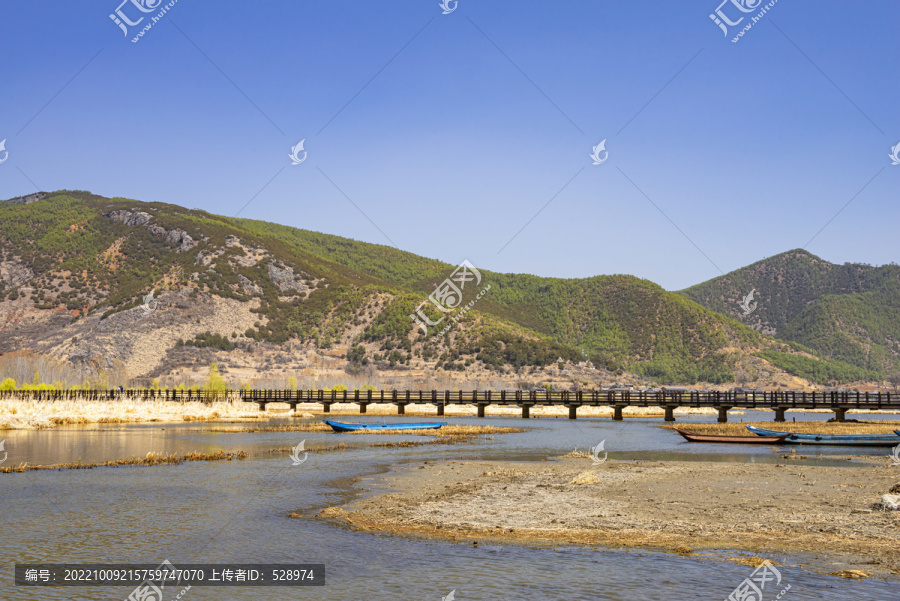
x=78, y=273
x=847, y=312
x=621, y=322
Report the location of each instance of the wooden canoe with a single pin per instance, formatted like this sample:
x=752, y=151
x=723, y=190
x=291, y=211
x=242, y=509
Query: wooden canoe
x=691, y=437
x=344, y=427
x=858, y=440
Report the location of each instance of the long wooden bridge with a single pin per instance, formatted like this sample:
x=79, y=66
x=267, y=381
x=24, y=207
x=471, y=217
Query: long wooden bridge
x=667, y=399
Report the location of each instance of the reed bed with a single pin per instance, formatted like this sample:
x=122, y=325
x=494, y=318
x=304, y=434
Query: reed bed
x=148, y=460
x=576, y=454
x=323, y=449
x=740, y=429
x=303, y=427
x=448, y=430
x=413, y=443
x=454, y=439
x=26, y=414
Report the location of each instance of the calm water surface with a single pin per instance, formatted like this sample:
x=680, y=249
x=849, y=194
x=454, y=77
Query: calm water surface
x=232, y=512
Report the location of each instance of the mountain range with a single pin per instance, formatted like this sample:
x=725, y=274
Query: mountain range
x=114, y=290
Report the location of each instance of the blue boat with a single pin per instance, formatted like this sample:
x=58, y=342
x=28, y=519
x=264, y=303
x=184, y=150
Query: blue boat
x=862, y=440
x=343, y=427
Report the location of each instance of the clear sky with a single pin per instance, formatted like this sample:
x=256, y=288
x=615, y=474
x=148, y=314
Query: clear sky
x=446, y=134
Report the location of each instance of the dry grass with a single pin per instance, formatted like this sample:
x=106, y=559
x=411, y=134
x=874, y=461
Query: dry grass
x=586, y=478
x=753, y=561
x=323, y=449
x=406, y=443
x=852, y=574
x=448, y=430
x=576, y=454
x=149, y=459
x=740, y=429
x=451, y=439
x=441, y=438
x=18, y=414
x=304, y=427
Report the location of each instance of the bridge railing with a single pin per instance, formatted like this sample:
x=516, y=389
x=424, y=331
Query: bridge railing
x=687, y=398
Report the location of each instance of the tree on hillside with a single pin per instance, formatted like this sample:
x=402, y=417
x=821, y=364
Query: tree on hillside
x=216, y=384
x=895, y=380
x=357, y=360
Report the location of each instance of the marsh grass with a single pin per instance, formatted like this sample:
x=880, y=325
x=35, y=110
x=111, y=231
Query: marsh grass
x=440, y=439
x=448, y=430
x=324, y=449
x=148, y=460
x=28, y=414
x=452, y=439
x=753, y=561
x=740, y=429
x=576, y=454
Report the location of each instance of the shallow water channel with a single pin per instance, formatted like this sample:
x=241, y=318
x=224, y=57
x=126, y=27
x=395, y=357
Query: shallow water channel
x=237, y=512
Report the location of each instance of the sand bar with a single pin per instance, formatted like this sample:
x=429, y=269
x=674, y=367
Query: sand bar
x=687, y=507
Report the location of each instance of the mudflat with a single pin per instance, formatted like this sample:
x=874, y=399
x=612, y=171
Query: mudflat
x=830, y=516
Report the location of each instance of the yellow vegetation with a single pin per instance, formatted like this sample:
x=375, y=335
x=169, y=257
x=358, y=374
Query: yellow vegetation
x=149, y=459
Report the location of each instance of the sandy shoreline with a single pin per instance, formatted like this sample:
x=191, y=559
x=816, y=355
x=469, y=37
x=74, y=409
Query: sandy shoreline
x=681, y=507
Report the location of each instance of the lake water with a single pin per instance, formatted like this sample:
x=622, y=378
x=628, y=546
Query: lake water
x=236, y=512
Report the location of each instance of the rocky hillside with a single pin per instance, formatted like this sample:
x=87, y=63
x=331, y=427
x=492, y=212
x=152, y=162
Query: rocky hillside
x=121, y=290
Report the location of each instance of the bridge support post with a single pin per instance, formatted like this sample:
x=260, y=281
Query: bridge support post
x=440, y=409
x=362, y=407
x=670, y=413
x=293, y=407
x=617, y=413
x=326, y=407
x=481, y=407
x=526, y=411
x=573, y=411
x=779, y=414
x=401, y=408
x=262, y=405
x=723, y=415
x=839, y=414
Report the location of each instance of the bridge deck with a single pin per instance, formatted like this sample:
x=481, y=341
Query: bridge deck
x=780, y=401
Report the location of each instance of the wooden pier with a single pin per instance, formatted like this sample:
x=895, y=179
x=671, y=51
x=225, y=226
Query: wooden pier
x=667, y=400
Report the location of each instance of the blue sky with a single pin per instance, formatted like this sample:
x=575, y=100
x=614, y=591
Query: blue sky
x=452, y=132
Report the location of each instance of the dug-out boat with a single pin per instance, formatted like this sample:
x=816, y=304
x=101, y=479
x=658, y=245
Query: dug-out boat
x=344, y=427
x=691, y=437
x=862, y=440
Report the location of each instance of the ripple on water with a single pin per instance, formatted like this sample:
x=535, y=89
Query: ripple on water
x=237, y=511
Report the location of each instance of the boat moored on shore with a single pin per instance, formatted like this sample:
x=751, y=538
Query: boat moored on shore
x=345, y=427
x=867, y=440
x=692, y=437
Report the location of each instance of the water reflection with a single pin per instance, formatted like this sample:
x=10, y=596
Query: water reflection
x=237, y=512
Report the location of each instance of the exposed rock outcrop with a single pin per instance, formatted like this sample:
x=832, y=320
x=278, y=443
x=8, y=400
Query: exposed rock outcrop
x=28, y=198
x=182, y=239
x=128, y=218
x=176, y=237
x=284, y=278
x=14, y=273
x=248, y=286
